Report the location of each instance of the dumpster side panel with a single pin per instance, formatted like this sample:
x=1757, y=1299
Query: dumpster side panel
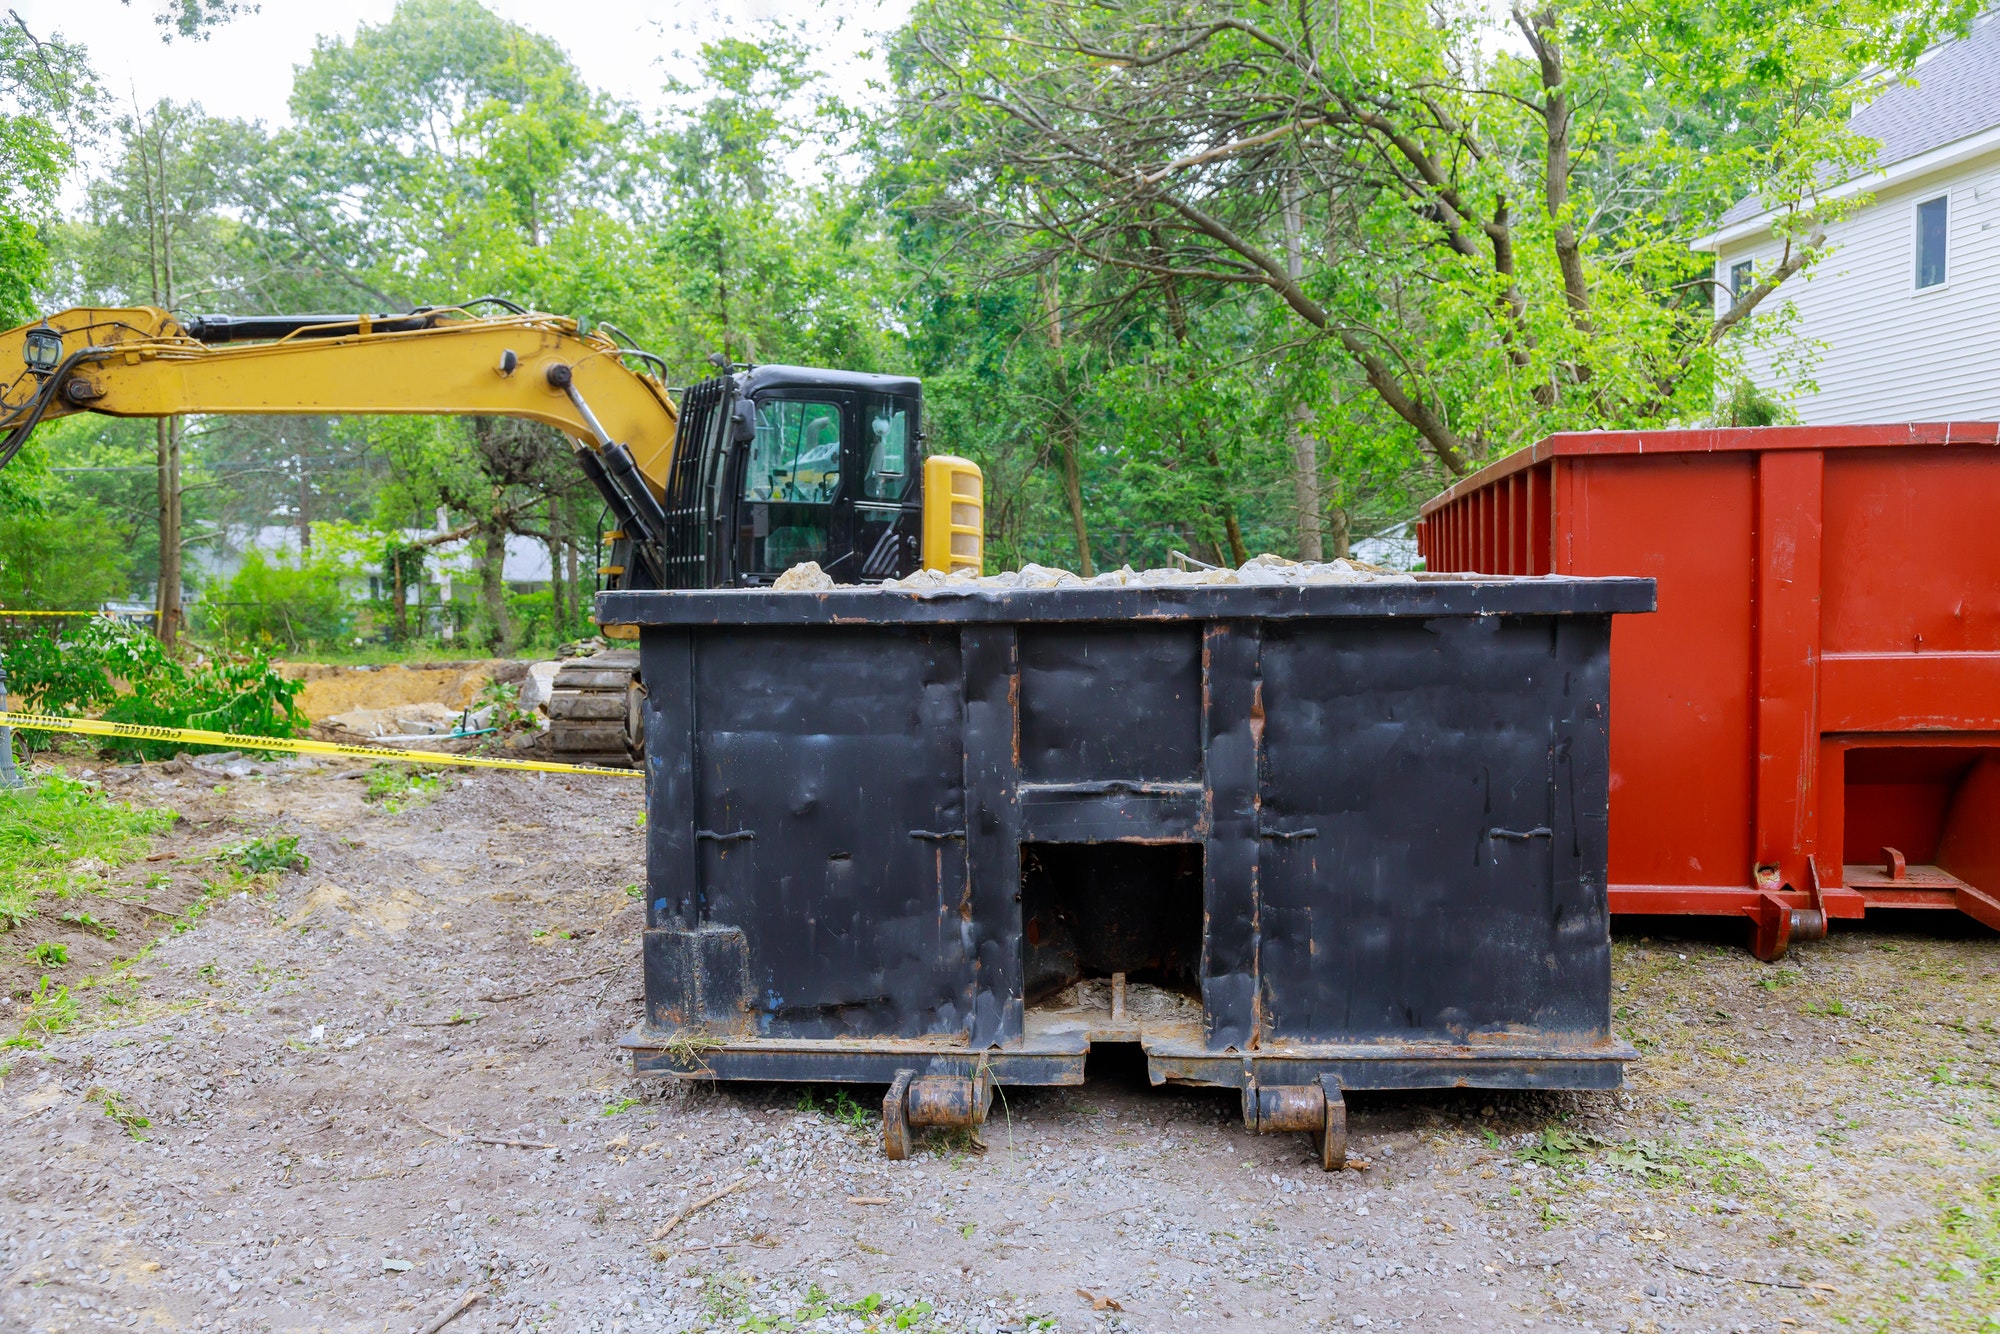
x=830, y=821
x=1432, y=868
x=1681, y=763
x=1097, y=704
x=1901, y=522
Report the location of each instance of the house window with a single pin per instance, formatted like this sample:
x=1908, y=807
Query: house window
x=1739, y=279
x=1932, y=216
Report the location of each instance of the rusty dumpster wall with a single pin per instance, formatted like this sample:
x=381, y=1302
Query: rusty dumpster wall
x=876, y=818
x=1821, y=686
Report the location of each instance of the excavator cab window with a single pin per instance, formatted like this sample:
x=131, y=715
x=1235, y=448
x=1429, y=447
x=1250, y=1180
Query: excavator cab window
x=795, y=453
x=888, y=471
x=791, y=477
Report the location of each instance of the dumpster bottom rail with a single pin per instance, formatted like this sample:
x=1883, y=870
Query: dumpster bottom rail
x=1284, y=1088
x=1059, y=1060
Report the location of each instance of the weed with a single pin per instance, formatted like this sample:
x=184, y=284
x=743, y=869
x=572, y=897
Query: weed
x=273, y=852
x=119, y=1110
x=50, y=954
x=1559, y=1148
x=1648, y=1159
x=399, y=787
x=1781, y=977
x=634, y=892
x=618, y=1105
x=209, y=973
x=837, y=1107
x=1828, y=1008
x=89, y=922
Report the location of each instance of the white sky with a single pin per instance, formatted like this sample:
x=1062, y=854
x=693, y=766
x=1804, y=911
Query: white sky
x=624, y=47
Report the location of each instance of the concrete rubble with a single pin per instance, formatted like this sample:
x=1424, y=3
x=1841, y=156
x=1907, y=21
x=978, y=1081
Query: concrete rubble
x=1266, y=570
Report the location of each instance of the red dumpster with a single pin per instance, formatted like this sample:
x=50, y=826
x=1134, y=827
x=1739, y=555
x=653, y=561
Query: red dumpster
x=1810, y=725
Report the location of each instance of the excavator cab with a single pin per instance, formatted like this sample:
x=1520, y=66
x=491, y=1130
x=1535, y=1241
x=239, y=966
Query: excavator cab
x=779, y=465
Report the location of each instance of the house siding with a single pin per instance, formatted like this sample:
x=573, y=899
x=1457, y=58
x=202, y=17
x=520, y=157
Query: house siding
x=1878, y=348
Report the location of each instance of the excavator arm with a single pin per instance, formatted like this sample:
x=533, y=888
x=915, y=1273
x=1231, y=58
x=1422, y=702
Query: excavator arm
x=141, y=362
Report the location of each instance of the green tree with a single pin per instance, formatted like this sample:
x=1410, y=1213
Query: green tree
x=155, y=234
x=47, y=102
x=1487, y=228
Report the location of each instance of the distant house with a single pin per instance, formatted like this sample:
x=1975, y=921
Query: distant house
x=1905, y=309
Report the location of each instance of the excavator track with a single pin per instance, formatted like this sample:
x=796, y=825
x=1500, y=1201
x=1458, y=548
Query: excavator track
x=594, y=711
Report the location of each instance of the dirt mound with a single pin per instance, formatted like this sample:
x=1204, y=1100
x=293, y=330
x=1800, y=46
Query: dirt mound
x=331, y=690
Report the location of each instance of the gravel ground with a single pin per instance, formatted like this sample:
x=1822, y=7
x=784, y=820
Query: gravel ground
x=389, y=1083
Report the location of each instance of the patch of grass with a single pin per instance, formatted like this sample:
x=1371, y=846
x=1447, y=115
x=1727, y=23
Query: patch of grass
x=273, y=852
x=618, y=1105
x=1779, y=977
x=838, y=1107
x=48, y=829
x=689, y=1048
x=50, y=954
x=51, y=1010
x=398, y=787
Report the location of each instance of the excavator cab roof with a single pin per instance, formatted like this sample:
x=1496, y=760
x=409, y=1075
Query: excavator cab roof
x=759, y=379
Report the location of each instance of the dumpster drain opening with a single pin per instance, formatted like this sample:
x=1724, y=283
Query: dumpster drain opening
x=1111, y=937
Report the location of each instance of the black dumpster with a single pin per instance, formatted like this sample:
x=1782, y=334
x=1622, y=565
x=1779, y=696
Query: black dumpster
x=1292, y=839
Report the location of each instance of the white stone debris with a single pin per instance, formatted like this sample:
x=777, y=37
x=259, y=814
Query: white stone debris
x=804, y=578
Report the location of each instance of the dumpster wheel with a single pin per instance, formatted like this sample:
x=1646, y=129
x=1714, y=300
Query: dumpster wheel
x=594, y=711
x=1319, y=1109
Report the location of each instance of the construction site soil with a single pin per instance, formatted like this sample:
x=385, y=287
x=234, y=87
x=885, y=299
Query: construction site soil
x=337, y=689
x=384, y=1093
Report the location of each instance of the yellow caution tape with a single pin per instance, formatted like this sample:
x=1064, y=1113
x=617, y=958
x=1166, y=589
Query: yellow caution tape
x=36, y=722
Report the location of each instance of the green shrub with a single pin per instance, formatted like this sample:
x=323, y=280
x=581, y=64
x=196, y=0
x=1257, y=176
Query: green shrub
x=267, y=602
x=126, y=675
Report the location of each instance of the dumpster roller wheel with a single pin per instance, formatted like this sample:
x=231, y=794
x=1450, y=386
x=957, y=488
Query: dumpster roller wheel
x=931, y=1100
x=1318, y=1109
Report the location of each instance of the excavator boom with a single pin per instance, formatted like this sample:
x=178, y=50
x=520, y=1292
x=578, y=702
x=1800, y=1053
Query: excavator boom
x=141, y=362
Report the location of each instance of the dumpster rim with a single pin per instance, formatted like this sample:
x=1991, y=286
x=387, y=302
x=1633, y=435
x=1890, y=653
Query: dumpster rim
x=1415, y=598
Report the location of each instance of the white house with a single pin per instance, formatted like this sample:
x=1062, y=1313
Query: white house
x=1901, y=321
x=525, y=567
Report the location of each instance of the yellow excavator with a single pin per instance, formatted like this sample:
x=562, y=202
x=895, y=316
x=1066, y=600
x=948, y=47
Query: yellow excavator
x=757, y=469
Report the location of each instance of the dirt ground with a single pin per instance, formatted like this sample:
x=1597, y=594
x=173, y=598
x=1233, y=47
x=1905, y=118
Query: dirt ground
x=331, y=689
x=362, y=1096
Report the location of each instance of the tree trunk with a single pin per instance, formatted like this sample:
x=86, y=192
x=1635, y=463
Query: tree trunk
x=1340, y=534
x=1066, y=429
x=167, y=601
x=493, y=588
x=555, y=545
x=1238, y=553
x=573, y=565
x=305, y=510
x=1305, y=453
x=399, y=596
